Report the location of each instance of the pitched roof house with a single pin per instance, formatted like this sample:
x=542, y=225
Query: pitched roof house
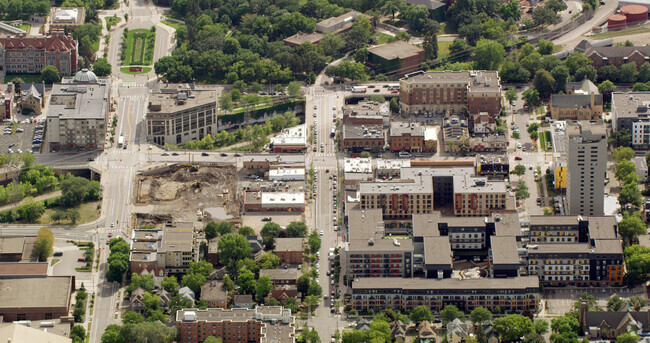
x=609, y=325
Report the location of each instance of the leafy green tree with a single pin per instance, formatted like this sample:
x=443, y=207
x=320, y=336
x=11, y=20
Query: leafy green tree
x=519, y=170
x=511, y=95
x=246, y=282
x=293, y=89
x=78, y=334
x=235, y=95
x=394, y=107
x=314, y=242
x=228, y=283
x=534, y=338
x=644, y=72
x=101, y=67
x=615, y=303
x=449, y=313
x=531, y=97
x=112, y=334
x=630, y=227
x=488, y=54
x=420, y=313
x=170, y=284
x=73, y=215
x=628, y=72
x=628, y=337
x=637, y=302
x=544, y=83
x=521, y=191
x=224, y=228
x=606, y=88
x=392, y=6
x=359, y=34
x=480, y=315
x=623, y=169
x=377, y=98
x=297, y=229
x=269, y=232
x=561, y=74
x=541, y=326
x=30, y=210
x=194, y=281
x=246, y=231
x=459, y=49
x=315, y=288
x=332, y=44
x=623, y=154
x=145, y=282
x=263, y=288
x=269, y=260
x=210, y=230
x=430, y=46
x=545, y=47
x=213, y=339
x=302, y=283
x=50, y=74
x=564, y=329
x=44, y=243
x=620, y=138
x=513, y=327
x=225, y=101
x=510, y=10
x=348, y=70
x=609, y=72
x=231, y=248
x=544, y=15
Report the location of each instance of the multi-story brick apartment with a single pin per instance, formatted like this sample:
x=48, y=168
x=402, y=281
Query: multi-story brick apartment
x=406, y=137
x=160, y=252
x=395, y=58
x=362, y=137
x=476, y=196
x=282, y=276
x=451, y=92
x=587, y=162
x=368, y=254
x=178, y=113
x=290, y=250
x=30, y=54
x=575, y=251
x=518, y=294
x=264, y=324
x=77, y=112
x=618, y=55
x=36, y=298
x=398, y=199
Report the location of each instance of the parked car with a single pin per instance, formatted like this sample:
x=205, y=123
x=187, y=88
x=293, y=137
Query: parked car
x=205, y=154
x=517, y=158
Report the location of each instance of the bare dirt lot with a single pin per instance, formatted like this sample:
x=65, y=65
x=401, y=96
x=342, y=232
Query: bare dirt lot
x=184, y=189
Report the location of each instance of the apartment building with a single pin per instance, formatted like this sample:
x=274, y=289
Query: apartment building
x=178, y=113
x=451, y=92
x=587, y=161
x=77, y=113
x=576, y=251
x=281, y=276
x=618, y=55
x=30, y=54
x=264, y=324
x=518, y=294
x=476, y=196
x=359, y=138
x=290, y=250
x=215, y=294
x=398, y=199
x=630, y=112
x=162, y=251
x=560, y=153
x=368, y=254
x=407, y=137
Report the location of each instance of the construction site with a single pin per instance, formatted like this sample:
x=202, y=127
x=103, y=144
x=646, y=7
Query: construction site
x=186, y=193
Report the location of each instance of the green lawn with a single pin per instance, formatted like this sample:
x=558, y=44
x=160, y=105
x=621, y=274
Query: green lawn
x=112, y=21
x=447, y=29
x=88, y=212
x=172, y=24
x=96, y=45
x=28, y=78
x=382, y=38
x=623, y=32
x=443, y=48
x=126, y=70
x=25, y=27
x=140, y=47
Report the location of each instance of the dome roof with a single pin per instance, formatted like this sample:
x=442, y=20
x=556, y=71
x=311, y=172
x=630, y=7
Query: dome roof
x=85, y=75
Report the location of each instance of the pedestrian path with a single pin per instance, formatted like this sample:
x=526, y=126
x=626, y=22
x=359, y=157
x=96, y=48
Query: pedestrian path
x=323, y=154
x=134, y=97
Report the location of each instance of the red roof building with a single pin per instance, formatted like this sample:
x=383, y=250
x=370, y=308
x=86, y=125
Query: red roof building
x=30, y=54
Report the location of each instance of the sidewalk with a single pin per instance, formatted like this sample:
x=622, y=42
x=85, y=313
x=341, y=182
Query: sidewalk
x=36, y=198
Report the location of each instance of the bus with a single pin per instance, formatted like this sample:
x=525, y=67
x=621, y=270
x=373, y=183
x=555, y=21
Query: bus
x=358, y=89
x=394, y=86
x=120, y=141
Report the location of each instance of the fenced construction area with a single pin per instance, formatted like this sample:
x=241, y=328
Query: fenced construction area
x=138, y=47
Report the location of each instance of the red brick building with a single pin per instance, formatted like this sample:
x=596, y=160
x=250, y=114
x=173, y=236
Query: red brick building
x=29, y=55
x=405, y=137
x=272, y=323
x=290, y=250
x=398, y=57
x=36, y=298
x=618, y=55
x=451, y=92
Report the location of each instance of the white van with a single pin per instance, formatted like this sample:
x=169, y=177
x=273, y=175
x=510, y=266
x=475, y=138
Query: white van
x=404, y=154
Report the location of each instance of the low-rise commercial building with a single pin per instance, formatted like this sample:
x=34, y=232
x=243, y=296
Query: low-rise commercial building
x=516, y=294
x=290, y=250
x=55, y=330
x=395, y=58
x=287, y=174
x=260, y=165
x=367, y=113
x=362, y=137
x=6, y=102
x=451, y=92
x=24, y=298
x=387, y=168
x=357, y=169
x=179, y=113
x=264, y=324
x=160, y=252
x=67, y=18
x=333, y=25
x=77, y=113
x=260, y=201
x=18, y=249
x=618, y=55
x=406, y=137
x=495, y=167
x=641, y=168
x=290, y=140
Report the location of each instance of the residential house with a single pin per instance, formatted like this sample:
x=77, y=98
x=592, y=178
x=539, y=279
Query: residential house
x=187, y=293
x=32, y=98
x=398, y=330
x=137, y=300
x=426, y=332
x=215, y=294
x=457, y=331
x=281, y=276
x=483, y=123
x=242, y=301
x=606, y=325
x=283, y=292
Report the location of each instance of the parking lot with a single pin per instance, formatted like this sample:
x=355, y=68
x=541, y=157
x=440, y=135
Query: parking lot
x=18, y=140
x=254, y=220
x=68, y=261
x=561, y=300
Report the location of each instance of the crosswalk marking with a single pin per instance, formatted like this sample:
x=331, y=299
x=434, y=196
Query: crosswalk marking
x=323, y=154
